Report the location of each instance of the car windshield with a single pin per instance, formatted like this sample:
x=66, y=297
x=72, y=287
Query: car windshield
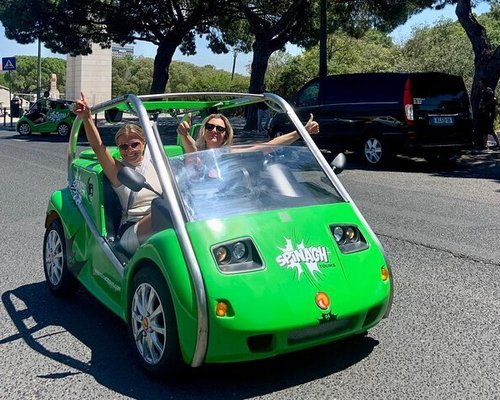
x=245, y=179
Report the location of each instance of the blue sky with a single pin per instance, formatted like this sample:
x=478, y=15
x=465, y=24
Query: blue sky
x=9, y=48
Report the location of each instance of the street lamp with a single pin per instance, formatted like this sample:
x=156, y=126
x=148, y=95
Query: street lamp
x=322, y=40
x=39, y=70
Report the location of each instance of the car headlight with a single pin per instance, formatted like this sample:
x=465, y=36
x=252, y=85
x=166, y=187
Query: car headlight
x=237, y=256
x=348, y=238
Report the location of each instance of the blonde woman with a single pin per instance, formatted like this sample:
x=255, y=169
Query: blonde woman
x=216, y=131
x=135, y=225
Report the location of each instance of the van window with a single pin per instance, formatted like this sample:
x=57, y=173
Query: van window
x=308, y=96
x=363, y=88
x=440, y=93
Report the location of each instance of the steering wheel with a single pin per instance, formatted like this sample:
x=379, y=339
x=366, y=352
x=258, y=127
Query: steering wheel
x=237, y=183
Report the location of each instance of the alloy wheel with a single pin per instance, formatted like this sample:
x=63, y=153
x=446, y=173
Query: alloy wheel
x=148, y=323
x=54, y=257
x=373, y=150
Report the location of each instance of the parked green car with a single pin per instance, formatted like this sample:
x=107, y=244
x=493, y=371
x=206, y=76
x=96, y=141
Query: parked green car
x=270, y=256
x=46, y=116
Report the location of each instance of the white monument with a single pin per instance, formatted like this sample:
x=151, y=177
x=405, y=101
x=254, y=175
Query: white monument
x=53, y=92
x=90, y=74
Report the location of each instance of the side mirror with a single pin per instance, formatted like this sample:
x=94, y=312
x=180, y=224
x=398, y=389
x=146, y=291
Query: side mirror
x=134, y=180
x=338, y=163
x=113, y=115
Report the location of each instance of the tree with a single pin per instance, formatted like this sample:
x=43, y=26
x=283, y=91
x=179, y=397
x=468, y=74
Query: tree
x=24, y=78
x=486, y=54
x=372, y=52
x=71, y=26
x=274, y=23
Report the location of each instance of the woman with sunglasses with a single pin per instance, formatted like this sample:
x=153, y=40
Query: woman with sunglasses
x=216, y=131
x=135, y=226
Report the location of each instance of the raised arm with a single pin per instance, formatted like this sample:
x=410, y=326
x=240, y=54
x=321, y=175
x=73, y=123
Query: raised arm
x=188, y=143
x=311, y=126
x=109, y=164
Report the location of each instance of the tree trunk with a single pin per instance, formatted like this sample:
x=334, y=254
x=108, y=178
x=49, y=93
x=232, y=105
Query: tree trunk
x=163, y=58
x=260, y=62
x=486, y=59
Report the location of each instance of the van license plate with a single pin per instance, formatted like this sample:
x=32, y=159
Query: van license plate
x=441, y=121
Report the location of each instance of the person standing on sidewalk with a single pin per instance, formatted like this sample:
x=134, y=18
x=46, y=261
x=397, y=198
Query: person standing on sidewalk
x=487, y=113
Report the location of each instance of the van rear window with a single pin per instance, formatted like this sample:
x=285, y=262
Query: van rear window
x=444, y=93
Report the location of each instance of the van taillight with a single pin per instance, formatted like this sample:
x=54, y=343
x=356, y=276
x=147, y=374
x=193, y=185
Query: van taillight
x=408, y=103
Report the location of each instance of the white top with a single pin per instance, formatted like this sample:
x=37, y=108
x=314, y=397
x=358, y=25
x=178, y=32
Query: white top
x=141, y=204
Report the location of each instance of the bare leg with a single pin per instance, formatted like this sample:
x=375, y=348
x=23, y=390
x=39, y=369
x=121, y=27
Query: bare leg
x=144, y=228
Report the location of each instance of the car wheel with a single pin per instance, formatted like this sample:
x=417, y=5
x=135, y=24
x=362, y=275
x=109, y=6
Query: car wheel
x=24, y=129
x=152, y=324
x=63, y=129
x=58, y=277
x=374, y=151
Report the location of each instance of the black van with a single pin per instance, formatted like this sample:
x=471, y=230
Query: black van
x=380, y=115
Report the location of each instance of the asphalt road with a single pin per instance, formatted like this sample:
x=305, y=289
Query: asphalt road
x=439, y=227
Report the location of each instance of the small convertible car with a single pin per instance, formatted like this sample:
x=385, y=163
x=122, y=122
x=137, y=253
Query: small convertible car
x=46, y=116
x=269, y=255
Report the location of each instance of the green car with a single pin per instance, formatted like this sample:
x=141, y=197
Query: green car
x=46, y=116
x=267, y=257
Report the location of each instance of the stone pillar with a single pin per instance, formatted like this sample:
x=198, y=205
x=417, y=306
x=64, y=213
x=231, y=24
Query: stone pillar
x=90, y=74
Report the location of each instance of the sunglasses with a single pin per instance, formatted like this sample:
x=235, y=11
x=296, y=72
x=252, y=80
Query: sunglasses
x=125, y=146
x=210, y=127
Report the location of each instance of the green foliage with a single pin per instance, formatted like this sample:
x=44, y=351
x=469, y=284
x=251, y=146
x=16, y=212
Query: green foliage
x=186, y=77
x=131, y=75
x=24, y=78
x=373, y=52
x=134, y=75
x=443, y=48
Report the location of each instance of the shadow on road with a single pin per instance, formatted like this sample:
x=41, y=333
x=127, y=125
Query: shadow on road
x=38, y=316
x=472, y=164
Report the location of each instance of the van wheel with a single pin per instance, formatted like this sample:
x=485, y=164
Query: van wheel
x=374, y=151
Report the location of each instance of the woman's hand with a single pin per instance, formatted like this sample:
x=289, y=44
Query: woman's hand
x=312, y=126
x=82, y=107
x=185, y=126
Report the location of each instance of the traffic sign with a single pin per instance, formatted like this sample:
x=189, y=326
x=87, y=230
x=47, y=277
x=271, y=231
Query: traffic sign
x=9, y=63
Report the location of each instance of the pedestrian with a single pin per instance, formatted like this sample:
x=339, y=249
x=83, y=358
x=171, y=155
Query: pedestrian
x=486, y=114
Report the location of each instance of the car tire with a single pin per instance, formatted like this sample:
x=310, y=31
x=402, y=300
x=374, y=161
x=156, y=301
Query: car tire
x=58, y=277
x=374, y=151
x=155, y=341
x=24, y=129
x=63, y=130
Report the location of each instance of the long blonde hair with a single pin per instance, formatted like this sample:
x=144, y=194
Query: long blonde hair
x=228, y=137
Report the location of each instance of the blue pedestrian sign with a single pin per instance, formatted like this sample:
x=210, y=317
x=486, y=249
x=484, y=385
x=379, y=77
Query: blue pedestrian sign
x=9, y=63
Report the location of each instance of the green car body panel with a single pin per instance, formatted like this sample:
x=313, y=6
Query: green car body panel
x=352, y=281
x=272, y=306
x=56, y=115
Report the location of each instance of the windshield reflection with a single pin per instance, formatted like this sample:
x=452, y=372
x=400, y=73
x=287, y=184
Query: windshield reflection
x=241, y=179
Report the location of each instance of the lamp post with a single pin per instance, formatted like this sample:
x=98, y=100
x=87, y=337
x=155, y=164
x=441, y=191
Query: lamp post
x=39, y=70
x=322, y=40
